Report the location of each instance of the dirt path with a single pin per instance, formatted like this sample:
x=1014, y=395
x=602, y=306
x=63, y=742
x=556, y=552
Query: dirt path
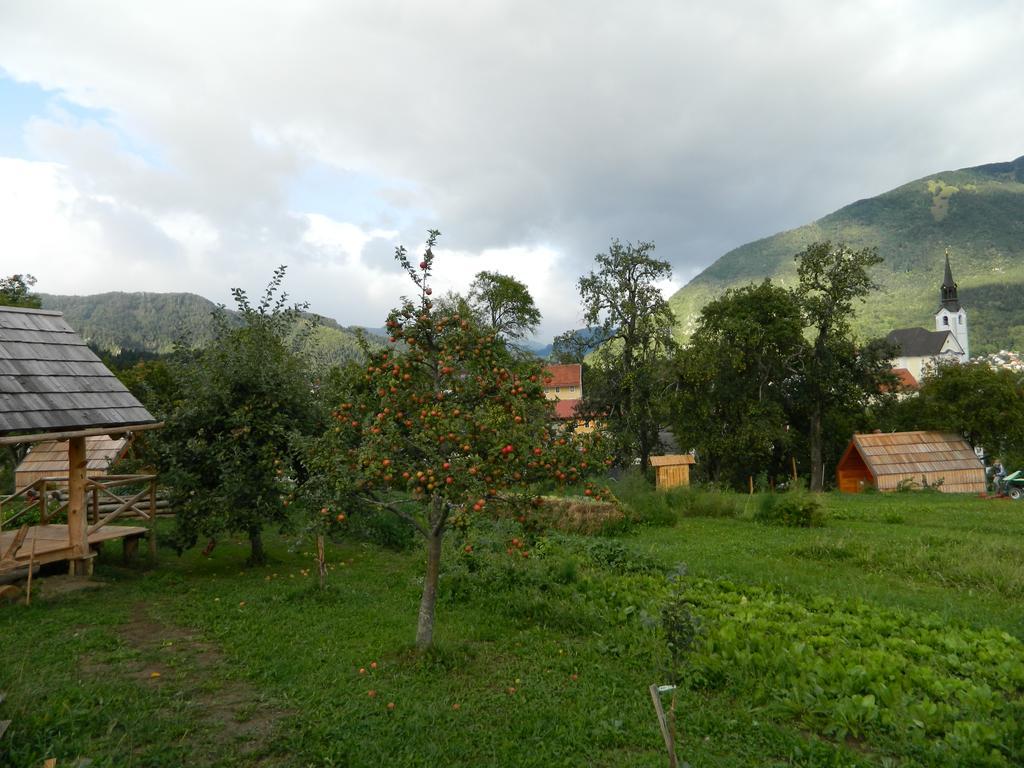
x=235, y=724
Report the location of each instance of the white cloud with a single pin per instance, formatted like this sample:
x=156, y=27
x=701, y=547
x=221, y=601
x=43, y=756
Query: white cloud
x=530, y=133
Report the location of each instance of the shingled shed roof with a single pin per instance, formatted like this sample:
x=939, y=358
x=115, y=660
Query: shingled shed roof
x=50, y=458
x=915, y=453
x=50, y=381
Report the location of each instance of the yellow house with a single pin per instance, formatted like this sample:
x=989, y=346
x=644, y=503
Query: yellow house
x=563, y=384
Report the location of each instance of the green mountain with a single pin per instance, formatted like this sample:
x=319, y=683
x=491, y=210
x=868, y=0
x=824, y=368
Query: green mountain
x=977, y=213
x=154, y=322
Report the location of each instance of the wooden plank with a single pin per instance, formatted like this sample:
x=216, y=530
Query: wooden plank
x=120, y=429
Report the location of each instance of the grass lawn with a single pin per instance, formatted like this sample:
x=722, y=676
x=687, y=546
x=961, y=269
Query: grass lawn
x=890, y=636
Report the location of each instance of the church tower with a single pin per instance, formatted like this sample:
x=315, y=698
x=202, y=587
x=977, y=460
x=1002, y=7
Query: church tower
x=951, y=315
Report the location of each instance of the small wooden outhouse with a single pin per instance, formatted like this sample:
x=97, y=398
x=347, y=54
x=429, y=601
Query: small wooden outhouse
x=671, y=471
x=888, y=460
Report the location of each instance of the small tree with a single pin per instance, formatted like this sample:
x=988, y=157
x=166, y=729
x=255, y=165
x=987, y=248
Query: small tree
x=447, y=424
x=504, y=304
x=226, y=449
x=16, y=291
x=633, y=324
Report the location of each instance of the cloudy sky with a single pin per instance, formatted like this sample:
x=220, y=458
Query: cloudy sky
x=193, y=146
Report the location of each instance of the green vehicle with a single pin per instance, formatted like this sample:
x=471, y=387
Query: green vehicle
x=1013, y=485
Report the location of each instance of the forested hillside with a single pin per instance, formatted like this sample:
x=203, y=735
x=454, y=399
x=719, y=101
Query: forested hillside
x=978, y=213
x=154, y=322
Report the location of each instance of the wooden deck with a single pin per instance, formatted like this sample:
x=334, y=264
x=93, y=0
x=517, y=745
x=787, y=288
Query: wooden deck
x=51, y=541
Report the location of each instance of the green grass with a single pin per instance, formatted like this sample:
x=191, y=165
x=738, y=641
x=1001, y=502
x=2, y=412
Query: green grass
x=259, y=667
x=958, y=556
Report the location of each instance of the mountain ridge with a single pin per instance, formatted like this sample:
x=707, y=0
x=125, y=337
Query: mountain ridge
x=148, y=321
x=976, y=212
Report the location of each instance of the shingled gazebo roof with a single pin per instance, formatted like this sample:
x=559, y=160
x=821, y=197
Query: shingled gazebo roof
x=51, y=382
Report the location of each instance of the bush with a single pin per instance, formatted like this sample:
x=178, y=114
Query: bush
x=644, y=505
x=795, y=508
x=693, y=502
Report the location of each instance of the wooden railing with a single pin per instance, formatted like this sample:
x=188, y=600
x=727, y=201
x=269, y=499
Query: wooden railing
x=49, y=497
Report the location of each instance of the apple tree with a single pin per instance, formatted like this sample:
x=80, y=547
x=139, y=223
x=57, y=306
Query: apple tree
x=445, y=424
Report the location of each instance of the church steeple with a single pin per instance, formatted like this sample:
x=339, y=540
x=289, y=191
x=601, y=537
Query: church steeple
x=948, y=291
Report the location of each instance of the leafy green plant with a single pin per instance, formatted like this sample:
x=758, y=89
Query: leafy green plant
x=710, y=502
x=795, y=508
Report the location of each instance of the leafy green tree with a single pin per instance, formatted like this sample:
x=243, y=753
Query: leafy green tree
x=504, y=304
x=984, y=404
x=736, y=382
x=447, y=424
x=16, y=291
x=631, y=323
x=235, y=409
x=831, y=278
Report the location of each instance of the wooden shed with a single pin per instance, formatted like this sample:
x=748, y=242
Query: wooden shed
x=53, y=388
x=887, y=460
x=50, y=459
x=671, y=471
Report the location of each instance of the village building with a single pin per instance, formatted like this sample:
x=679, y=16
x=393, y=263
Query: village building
x=564, y=385
x=895, y=460
x=920, y=350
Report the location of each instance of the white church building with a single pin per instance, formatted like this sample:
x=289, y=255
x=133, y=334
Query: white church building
x=920, y=349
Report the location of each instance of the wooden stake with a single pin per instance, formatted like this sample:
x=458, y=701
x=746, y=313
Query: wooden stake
x=321, y=562
x=666, y=731
x=793, y=459
x=750, y=480
x=152, y=521
x=31, y=567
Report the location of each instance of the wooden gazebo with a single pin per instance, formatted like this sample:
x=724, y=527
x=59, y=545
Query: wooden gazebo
x=54, y=388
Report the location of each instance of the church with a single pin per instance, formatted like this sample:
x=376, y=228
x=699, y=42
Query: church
x=921, y=349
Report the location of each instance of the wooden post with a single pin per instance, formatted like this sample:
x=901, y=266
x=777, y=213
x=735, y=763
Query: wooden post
x=321, y=561
x=750, y=480
x=793, y=459
x=152, y=520
x=31, y=567
x=43, y=517
x=95, y=505
x=666, y=729
x=81, y=563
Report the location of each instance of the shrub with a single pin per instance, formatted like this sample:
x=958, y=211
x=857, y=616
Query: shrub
x=645, y=505
x=693, y=502
x=795, y=508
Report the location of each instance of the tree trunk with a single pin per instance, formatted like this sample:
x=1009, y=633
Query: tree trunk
x=256, y=554
x=816, y=460
x=425, y=626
